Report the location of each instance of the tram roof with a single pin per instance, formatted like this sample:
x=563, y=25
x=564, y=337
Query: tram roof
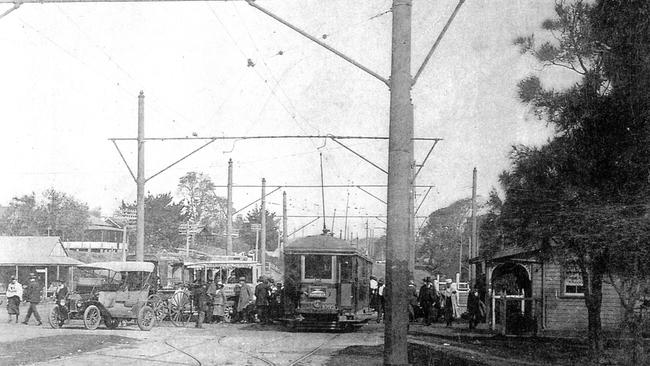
x=321, y=244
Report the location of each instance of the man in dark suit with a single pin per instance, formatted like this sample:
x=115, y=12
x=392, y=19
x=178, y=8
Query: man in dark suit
x=427, y=298
x=33, y=295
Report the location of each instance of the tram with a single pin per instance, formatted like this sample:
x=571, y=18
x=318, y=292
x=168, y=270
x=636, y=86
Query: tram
x=328, y=283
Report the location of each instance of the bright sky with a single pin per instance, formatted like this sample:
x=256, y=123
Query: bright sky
x=72, y=74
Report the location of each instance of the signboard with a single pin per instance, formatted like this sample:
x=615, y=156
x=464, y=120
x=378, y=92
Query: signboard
x=256, y=227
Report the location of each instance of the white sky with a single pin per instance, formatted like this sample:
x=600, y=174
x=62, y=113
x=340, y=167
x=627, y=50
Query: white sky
x=72, y=73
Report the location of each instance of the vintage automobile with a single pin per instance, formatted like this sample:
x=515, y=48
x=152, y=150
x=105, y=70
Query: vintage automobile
x=108, y=291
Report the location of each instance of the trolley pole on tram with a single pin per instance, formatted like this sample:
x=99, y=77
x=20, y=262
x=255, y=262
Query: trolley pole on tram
x=399, y=187
x=140, y=181
x=263, y=229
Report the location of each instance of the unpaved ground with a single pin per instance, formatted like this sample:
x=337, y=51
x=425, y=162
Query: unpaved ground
x=216, y=344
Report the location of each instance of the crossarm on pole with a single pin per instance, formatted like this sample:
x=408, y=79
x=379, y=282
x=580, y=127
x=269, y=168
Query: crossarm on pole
x=125, y=162
x=372, y=195
x=437, y=42
x=426, y=158
x=304, y=226
x=257, y=200
x=181, y=159
x=359, y=155
x=319, y=42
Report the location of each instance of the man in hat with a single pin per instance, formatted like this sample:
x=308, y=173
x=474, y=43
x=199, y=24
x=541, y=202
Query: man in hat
x=33, y=295
x=428, y=296
x=380, y=299
x=245, y=300
x=14, y=296
x=262, y=291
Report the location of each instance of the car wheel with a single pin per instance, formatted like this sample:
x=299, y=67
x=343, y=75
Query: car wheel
x=54, y=318
x=111, y=323
x=92, y=317
x=146, y=318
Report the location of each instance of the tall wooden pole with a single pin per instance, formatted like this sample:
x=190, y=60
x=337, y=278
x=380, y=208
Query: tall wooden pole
x=229, y=211
x=263, y=229
x=140, y=181
x=399, y=187
x=285, y=221
x=474, y=247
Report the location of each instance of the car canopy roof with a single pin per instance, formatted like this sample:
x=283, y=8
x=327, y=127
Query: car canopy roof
x=122, y=266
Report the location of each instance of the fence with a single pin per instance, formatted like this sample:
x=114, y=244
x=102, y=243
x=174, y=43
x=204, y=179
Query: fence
x=515, y=314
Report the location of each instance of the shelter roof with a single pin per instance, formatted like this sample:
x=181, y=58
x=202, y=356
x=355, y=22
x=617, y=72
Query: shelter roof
x=34, y=250
x=121, y=266
x=511, y=253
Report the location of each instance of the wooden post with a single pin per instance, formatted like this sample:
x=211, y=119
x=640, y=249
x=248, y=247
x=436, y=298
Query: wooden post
x=399, y=187
x=140, y=181
x=503, y=314
x=229, y=211
x=263, y=229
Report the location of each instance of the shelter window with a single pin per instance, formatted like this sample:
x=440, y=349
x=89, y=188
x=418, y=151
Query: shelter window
x=318, y=267
x=572, y=282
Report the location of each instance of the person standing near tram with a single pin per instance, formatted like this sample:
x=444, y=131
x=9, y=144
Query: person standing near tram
x=14, y=296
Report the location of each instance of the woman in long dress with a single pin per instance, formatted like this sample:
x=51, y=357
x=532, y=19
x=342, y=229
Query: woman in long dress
x=14, y=295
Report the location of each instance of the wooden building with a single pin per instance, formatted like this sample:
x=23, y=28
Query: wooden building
x=548, y=292
x=44, y=256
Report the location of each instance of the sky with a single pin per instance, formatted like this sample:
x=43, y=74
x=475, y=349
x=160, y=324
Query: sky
x=72, y=74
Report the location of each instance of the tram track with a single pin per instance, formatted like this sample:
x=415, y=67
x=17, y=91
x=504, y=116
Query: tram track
x=257, y=356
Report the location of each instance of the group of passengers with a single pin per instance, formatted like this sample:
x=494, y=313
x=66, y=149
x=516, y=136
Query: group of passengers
x=251, y=305
x=430, y=303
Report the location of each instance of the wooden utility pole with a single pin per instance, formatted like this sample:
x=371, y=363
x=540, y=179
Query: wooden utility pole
x=400, y=159
x=285, y=220
x=474, y=246
x=263, y=229
x=345, y=226
x=140, y=181
x=229, y=211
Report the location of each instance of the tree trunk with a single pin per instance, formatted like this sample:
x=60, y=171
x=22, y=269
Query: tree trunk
x=592, y=279
x=633, y=324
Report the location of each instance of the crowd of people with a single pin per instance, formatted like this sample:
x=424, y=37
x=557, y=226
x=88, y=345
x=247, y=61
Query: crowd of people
x=431, y=303
x=261, y=304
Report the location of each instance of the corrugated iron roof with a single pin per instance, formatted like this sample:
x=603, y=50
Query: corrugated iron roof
x=34, y=250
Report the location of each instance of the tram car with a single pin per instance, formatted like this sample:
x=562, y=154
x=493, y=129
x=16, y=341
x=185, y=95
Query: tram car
x=327, y=283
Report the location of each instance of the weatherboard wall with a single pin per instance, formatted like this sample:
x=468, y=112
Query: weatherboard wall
x=563, y=312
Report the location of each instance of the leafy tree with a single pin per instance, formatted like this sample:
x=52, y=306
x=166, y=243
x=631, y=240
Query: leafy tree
x=200, y=203
x=490, y=233
x=19, y=218
x=162, y=217
x=55, y=214
x=442, y=235
x=248, y=236
x=579, y=195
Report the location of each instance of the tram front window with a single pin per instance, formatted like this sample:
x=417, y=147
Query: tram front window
x=318, y=267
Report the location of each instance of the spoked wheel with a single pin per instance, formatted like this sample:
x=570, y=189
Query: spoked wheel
x=180, y=309
x=159, y=307
x=92, y=317
x=227, y=314
x=55, y=317
x=111, y=323
x=146, y=318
